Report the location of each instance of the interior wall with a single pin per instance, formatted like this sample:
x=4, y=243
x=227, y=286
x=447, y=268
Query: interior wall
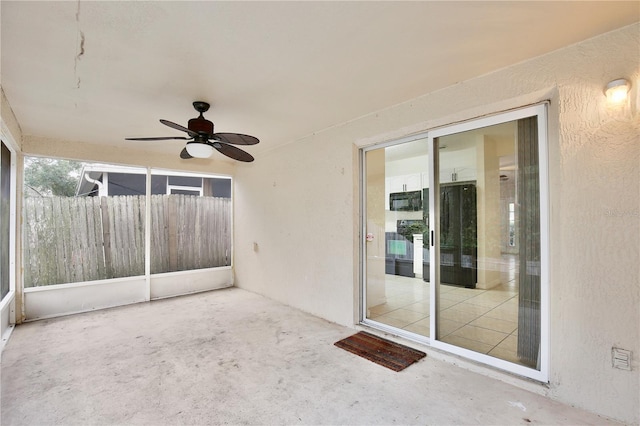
x=295, y=210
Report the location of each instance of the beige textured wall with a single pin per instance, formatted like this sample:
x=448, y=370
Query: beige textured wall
x=9, y=120
x=298, y=203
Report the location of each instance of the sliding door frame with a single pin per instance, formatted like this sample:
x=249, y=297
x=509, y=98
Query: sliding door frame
x=539, y=110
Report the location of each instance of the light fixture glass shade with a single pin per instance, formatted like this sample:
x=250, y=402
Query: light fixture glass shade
x=199, y=150
x=617, y=90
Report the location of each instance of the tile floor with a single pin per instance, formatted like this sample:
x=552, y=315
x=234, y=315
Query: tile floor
x=484, y=321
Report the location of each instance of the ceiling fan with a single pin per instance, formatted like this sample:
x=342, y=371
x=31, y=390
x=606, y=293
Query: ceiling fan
x=202, y=141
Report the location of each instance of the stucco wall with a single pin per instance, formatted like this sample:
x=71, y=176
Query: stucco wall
x=296, y=210
x=9, y=120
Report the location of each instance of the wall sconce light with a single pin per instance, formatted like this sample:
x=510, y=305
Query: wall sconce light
x=617, y=90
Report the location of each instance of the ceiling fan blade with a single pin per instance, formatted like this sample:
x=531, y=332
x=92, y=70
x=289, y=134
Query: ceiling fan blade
x=184, y=154
x=233, y=152
x=179, y=127
x=236, y=138
x=161, y=138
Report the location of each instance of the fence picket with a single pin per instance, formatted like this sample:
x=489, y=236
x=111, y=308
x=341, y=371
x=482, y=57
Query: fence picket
x=88, y=238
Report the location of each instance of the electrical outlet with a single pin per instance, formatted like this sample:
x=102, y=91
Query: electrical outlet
x=621, y=359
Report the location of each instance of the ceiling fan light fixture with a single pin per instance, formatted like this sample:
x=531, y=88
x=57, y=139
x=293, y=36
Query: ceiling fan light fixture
x=199, y=149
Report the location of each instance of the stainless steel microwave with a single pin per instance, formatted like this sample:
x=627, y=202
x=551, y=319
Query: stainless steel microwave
x=405, y=201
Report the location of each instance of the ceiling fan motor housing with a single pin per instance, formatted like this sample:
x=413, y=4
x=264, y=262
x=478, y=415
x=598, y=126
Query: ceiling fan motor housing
x=201, y=124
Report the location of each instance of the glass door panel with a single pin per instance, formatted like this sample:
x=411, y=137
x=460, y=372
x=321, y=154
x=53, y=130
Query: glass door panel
x=396, y=290
x=488, y=289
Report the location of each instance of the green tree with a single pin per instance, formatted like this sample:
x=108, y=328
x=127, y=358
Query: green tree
x=47, y=177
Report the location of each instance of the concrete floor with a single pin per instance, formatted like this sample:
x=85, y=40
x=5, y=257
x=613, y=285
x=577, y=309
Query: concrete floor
x=234, y=357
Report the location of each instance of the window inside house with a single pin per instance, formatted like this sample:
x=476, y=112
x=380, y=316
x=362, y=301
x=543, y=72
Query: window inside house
x=512, y=224
x=454, y=249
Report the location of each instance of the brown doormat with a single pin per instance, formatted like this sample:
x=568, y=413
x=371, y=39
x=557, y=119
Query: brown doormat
x=388, y=354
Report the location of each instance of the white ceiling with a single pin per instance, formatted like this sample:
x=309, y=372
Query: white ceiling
x=101, y=71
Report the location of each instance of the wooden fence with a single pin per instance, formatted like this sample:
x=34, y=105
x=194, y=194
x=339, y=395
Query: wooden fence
x=90, y=238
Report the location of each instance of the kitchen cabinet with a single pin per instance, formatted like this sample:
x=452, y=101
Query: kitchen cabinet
x=404, y=183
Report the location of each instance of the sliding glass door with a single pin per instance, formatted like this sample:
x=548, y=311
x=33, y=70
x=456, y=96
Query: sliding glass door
x=397, y=291
x=455, y=240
